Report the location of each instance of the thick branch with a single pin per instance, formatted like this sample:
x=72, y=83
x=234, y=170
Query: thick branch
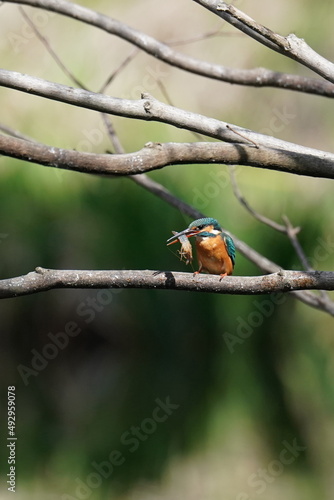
x=282, y=281
x=158, y=155
x=290, y=46
x=311, y=162
x=258, y=77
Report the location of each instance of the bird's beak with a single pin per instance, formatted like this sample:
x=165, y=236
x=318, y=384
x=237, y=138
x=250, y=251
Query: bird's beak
x=186, y=232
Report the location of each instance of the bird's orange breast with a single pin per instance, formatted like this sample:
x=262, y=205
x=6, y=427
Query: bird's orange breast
x=212, y=256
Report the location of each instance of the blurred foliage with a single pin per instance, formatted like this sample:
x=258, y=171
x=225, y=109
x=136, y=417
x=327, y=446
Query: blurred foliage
x=248, y=373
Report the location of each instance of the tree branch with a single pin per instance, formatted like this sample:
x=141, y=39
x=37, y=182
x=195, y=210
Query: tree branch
x=258, y=77
x=158, y=155
x=287, y=229
x=284, y=281
x=261, y=261
x=242, y=200
x=289, y=46
x=296, y=158
x=149, y=109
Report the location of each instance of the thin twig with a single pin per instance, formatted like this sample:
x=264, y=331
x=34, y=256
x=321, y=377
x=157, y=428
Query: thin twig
x=292, y=234
x=47, y=44
x=117, y=71
x=117, y=145
x=199, y=38
x=242, y=135
x=242, y=200
x=14, y=133
x=288, y=229
x=164, y=92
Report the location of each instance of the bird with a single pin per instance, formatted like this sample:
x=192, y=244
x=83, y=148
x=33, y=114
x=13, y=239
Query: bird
x=215, y=249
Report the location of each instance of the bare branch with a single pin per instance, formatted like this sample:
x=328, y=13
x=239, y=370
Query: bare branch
x=197, y=38
x=283, y=281
x=151, y=109
x=158, y=155
x=261, y=261
x=258, y=77
x=289, y=46
x=289, y=157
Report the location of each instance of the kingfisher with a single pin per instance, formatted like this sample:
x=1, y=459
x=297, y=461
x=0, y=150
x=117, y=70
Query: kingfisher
x=215, y=249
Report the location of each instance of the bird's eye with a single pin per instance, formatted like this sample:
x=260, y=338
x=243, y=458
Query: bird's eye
x=201, y=226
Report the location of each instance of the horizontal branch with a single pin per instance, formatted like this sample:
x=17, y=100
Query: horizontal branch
x=257, y=77
x=289, y=46
x=158, y=155
x=311, y=162
x=282, y=281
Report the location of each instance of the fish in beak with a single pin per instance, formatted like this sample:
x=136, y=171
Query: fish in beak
x=185, y=233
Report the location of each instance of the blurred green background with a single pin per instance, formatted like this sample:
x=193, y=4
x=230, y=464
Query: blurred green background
x=163, y=394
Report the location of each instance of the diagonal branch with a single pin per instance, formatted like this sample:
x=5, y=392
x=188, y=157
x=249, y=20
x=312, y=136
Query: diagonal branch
x=261, y=218
x=289, y=46
x=283, y=281
x=258, y=77
x=51, y=51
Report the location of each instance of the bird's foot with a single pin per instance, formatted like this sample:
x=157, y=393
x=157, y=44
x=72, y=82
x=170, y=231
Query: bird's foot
x=222, y=276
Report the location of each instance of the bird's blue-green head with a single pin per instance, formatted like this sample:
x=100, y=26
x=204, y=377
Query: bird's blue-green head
x=205, y=227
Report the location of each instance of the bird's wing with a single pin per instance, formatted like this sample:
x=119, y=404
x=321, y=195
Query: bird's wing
x=229, y=246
